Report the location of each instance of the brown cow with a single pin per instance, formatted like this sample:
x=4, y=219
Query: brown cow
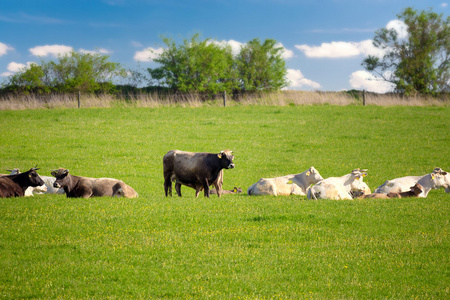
x=414, y=192
x=15, y=185
x=86, y=187
x=195, y=170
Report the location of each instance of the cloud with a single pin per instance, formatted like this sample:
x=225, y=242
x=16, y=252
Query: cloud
x=298, y=81
x=340, y=49
x=4, y=49
x=286, y=52
x=54, y=50
x=235, y=45
x=148, y=54
x=14, y=67
x=400, y=27
x=100, y=50
x=444, y=4
x=364, y=80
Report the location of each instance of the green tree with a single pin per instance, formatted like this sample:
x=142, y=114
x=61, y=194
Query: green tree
x=195, y=66
x=31, y=79
x=261, y=67
x=419, y=62
x=72, y=72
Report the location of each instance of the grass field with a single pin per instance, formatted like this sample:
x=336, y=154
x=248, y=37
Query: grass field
x=236, y=246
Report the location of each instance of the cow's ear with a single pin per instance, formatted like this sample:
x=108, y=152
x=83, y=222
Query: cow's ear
x=219, y=155
x=432, y=175
x=235, y=190
x=308, y=173
x=53, y=173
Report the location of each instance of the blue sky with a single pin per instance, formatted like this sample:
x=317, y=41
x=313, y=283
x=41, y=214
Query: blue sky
x=325, y=41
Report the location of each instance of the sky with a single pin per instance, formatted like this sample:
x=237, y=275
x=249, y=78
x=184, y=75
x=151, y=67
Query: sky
x=324, y=42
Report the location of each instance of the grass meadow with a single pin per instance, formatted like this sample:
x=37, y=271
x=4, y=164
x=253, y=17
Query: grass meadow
x=236, y=246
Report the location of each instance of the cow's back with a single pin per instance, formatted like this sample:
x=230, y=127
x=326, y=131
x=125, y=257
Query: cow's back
x=103, y=186
x=9, y=188
x=398, y=185
x=328, y=189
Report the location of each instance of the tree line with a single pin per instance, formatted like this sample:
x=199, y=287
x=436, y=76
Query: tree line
x=417, y=63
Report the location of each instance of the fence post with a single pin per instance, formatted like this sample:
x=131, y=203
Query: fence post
x=364, y=97
x=224, y=98
x=79, y=99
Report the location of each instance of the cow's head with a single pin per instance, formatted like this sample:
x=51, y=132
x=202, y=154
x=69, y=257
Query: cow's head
x=33, y=177
x=61, y=177
x=417, y=189
x=439, y=179
x=226, y=159
x=356, y=180
x=313, y=176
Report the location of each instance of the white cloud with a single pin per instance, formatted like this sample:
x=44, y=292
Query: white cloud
x=101, y=51
x=4, y=49
x=399, y=26
x=14, y=67
x=235, y=45
x=297, y=80
x=148, y=54
x=330, y=50
x=444, y=4
x=364, y=80
x=54, y=50
x=340, y=49
x=286, y=52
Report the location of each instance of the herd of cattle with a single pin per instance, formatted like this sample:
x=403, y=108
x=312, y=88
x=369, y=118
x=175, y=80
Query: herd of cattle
x=202, y=170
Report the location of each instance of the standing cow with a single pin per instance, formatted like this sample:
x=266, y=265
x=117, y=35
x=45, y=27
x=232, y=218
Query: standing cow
x=195, y=170
x=86, y=187
x=16, y=185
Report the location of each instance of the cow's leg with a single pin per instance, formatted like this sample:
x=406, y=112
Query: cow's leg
x=218, y=189
x=206, y=187
x=178, y=188
x=197, y=191
x=168, y=186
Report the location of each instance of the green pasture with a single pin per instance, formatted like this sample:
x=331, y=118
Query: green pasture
x=237, y=246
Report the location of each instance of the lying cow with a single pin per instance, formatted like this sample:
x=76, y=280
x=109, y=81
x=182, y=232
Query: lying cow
x=86, y=187
x=414, y=192
x=337, y=188
x=294, y=184
x=236, y=190
x=434, y=180
x=195, y=170
x=15, y=185
x=46, y=188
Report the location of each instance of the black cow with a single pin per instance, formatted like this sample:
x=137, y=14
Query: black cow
x=195, y=170
x=15, y=185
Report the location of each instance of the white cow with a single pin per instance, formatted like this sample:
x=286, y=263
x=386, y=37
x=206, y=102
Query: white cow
x=46, y=188
x=435, y=180
x=338, y=188
x=293, y=184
